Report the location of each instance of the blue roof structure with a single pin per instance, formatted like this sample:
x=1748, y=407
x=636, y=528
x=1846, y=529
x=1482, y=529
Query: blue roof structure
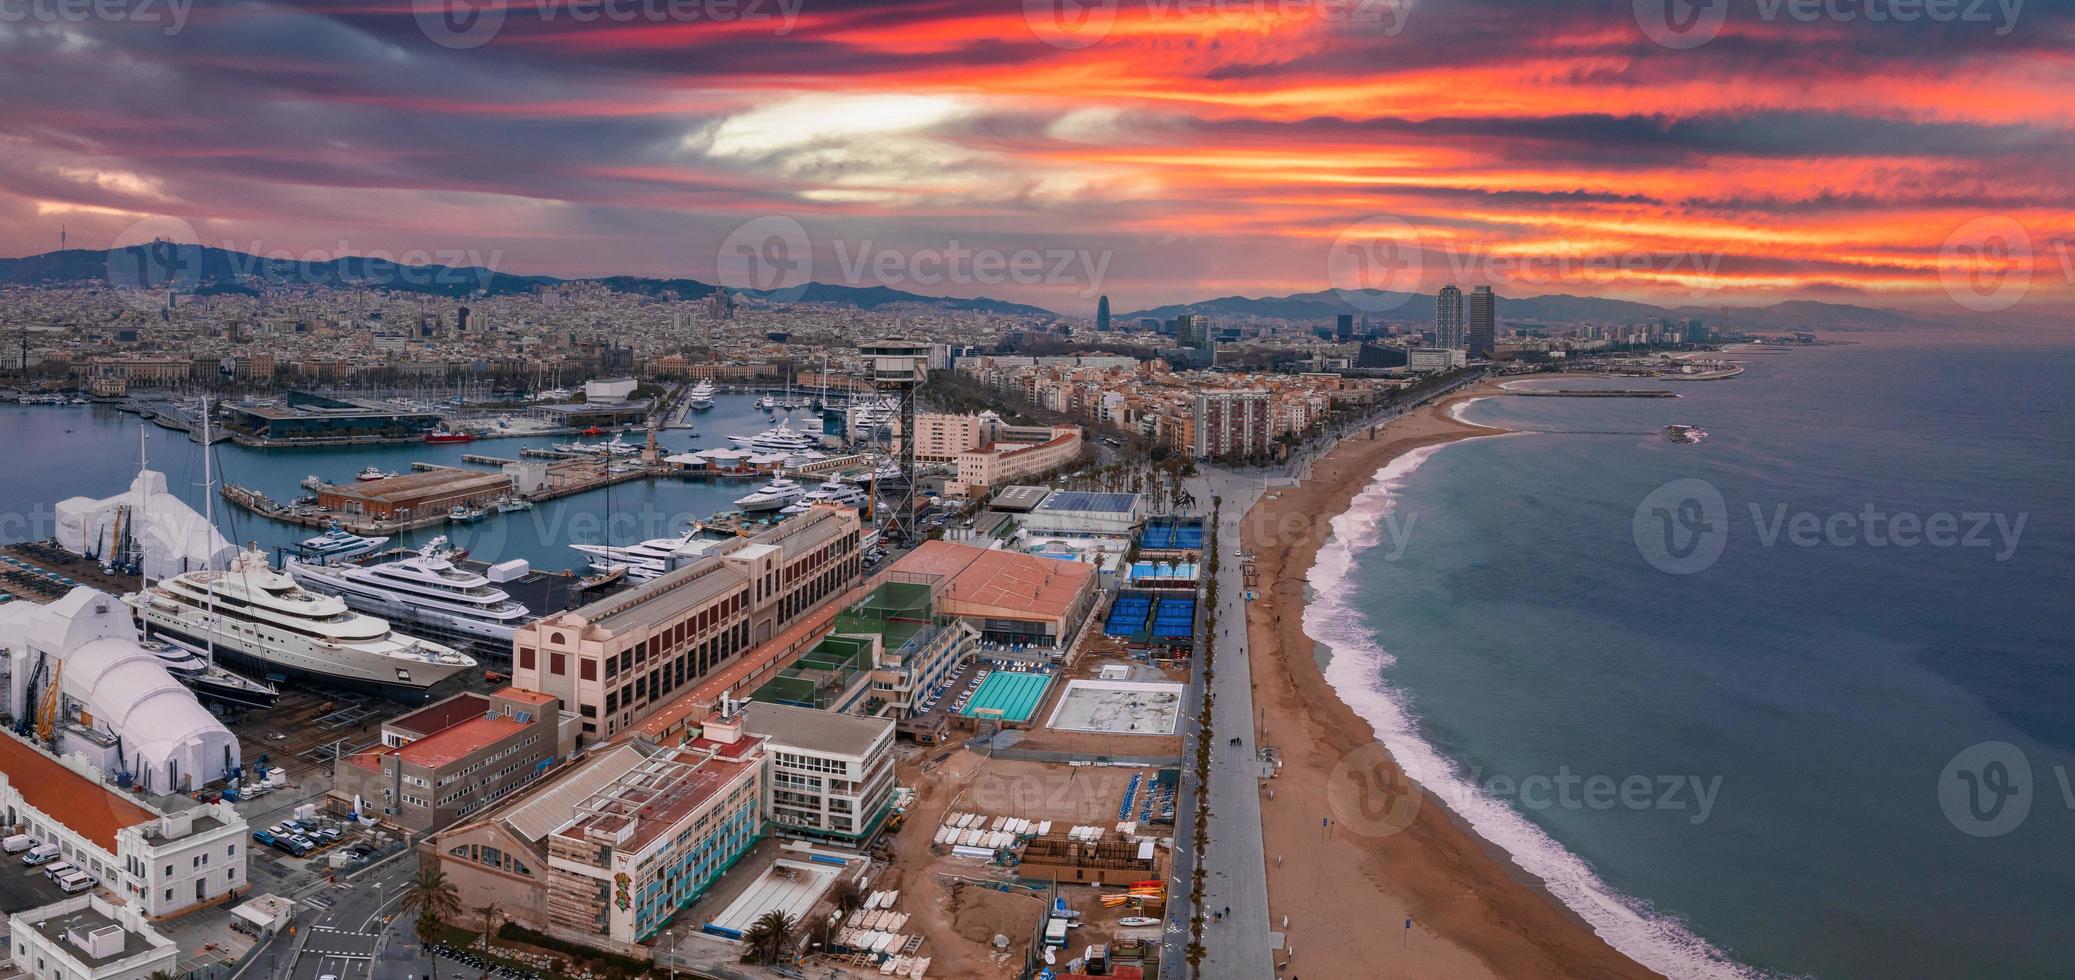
x=1080, y=500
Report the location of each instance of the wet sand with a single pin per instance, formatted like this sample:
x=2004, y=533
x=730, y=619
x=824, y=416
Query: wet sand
x=1391, y=851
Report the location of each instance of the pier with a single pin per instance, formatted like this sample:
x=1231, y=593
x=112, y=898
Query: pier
x=423, y=497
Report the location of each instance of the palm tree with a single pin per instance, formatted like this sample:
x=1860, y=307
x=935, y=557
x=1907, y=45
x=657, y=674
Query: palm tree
x=490, y=911
x=162, y=975
x=770, y=934
x=433, y=899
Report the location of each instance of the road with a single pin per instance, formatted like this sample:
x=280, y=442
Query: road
x=353, y=938
x=1236, y=940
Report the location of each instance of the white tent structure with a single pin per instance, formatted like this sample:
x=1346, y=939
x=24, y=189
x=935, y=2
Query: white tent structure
x=168, y=741
x=169, y=535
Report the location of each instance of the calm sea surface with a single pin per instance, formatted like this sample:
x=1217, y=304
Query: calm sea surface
x=1797, y=699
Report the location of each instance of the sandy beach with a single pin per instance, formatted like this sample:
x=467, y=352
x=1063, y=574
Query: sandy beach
x=1347, y=888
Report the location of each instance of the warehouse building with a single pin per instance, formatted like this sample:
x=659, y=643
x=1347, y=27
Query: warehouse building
x=1009, y=598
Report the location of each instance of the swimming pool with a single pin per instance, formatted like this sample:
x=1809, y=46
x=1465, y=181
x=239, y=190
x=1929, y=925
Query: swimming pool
x=1016, y=694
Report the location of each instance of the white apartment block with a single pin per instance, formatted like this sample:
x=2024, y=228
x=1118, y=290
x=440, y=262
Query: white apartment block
x=830, y=776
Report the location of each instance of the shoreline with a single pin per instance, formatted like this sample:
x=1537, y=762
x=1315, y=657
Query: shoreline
x=1393, y=849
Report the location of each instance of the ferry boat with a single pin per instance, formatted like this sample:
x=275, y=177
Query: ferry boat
x=424, y=590
x=1685, y=433
x=781, y=438
x=372, y=473
x=336, y=544
x=641, y=562
x=449, y=435
x=833, y=491
x=774, y=495
x=256, y=616
x=702, y=397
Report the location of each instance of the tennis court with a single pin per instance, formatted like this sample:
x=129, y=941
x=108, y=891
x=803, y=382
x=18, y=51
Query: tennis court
x=1016, y=694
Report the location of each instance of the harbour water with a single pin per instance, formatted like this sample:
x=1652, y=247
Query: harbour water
x=1837, y=745
x=65, y=451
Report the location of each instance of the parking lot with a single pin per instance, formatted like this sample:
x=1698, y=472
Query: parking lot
x=25, y=887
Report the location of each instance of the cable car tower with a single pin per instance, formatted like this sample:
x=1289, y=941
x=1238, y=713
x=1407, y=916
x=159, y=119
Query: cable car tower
x=898, y=368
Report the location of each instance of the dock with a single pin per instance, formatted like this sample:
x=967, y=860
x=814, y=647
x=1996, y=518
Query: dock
x=423, y=497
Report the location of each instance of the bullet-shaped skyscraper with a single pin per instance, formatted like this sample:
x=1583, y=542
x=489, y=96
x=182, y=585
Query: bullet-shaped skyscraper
x=1448, y=318
x=1102, y=313
x=1483, y=322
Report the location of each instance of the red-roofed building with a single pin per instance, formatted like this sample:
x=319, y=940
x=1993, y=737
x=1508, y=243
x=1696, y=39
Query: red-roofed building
x=1007, y=596
x=448, y=760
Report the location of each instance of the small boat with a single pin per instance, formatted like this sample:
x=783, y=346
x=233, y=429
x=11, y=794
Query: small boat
x=511, y=505
x=449, y=435
x=1685, y=433
x=312, y=482
x=1138, y=920
x=372, y=473
x=462, y=515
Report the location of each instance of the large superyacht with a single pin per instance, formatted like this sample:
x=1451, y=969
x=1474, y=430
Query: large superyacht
x=252, y=614
x=424, y=591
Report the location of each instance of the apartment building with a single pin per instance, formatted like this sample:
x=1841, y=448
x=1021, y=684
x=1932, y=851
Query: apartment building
x=1001, y=463
x=1231, y=423
x=830, y=775
x=617, y=660
x=446, y=761
x=655, y=838
x=87, y=937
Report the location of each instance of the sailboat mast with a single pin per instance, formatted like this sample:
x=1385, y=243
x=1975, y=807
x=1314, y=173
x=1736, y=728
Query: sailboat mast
x=208, y=528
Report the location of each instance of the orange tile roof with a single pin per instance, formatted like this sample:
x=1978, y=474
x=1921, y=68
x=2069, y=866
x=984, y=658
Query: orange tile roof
x=1000, y=580
x=459, y=741
x=517, y=694
x=89, y=808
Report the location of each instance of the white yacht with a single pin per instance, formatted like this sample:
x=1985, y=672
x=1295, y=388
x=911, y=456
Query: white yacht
x=336, y=545
x=834, y=491
x=702, y=396
x=617, y=447
x=771, y=496
x=642, y=561
x=256, y=615
x=192, y=667
x=867, y=418
x=781, y=438
x=424, y=591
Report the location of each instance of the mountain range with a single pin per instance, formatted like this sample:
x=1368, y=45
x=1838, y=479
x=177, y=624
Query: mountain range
x=205, y=269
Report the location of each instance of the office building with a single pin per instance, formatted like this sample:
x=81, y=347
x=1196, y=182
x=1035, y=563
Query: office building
x=1102, y=314
x=830, y=775
x=448, y=760
x=1426, y=360
x=653, y=840
x=1000, y=462
x=1344, y=327
x=1483, y=323
x=1448, y=318
x=617, y=660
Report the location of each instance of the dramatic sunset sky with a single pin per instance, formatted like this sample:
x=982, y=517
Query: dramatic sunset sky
x=1188, y=149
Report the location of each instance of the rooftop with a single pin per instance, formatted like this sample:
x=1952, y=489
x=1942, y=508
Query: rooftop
x=84, y=918
x=648, y=801
x=89, y=808
x=442, y=715
x=1000, y=581
x=412, y=485
x=666, y=597
x=1105, y=503
x=1019, y=498
x=451, y=745
x=815, y=731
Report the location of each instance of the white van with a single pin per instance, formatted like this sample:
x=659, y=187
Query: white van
x=40, y=854
x=17, y=843
x=59, y=869
x=76, y=882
